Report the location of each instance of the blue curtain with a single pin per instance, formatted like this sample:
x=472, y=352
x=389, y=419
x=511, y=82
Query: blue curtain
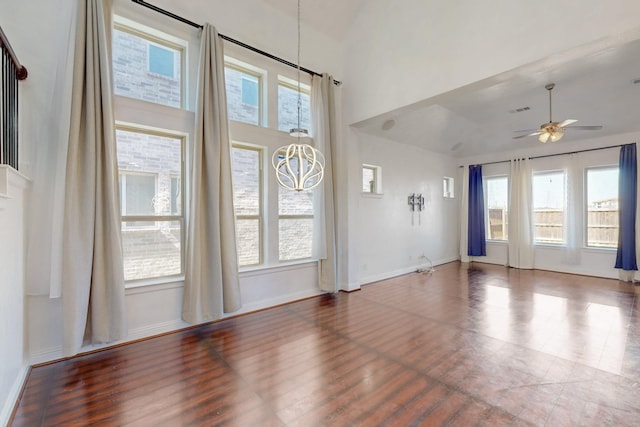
x=476, y=241
x=627, y=187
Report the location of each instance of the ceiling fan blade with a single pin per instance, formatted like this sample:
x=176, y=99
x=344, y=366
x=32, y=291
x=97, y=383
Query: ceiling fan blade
x=529, y=134
x=566, y=122
x=585, y=127
x=526, y=130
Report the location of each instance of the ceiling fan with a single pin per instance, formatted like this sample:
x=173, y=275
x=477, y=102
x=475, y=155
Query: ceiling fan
x=553, y=131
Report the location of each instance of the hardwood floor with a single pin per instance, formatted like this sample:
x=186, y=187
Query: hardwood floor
x=464, y=346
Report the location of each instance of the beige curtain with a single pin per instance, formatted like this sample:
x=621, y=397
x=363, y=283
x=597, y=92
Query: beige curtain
x=211, y=285
x=324, y=136
x=92, y=272
x=464, y=215
x=521, y=252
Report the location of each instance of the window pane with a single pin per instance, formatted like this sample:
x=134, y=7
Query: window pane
x=448, y=187
x=176, y=194
x=141, y=158
x=548, y=207
x=151, y=251
x=497, y=197
x=291, y=202
x=146, y=70
x=243, y=94
x=602, y=207
x=248, y=241
x=250, y=91
x=137, y=193
x=288, y=109
x=161, y=61
x=368, y=180
x=296, y=237
x=246, y=181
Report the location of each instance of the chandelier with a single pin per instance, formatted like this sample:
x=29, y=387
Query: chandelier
x=298, y=166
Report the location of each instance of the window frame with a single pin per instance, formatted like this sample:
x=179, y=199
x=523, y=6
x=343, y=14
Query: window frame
x=485, y=182
x=376, y=188
x=261, y=209
x=291, y=84
x=564, y=208
x=157, y=219
x=448, y=183
x=246, y=68
x=162, y=39
x=586, y=208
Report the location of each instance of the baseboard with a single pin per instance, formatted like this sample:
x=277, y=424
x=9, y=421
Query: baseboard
x=405, y=270
x=155, y=329
x=580, y=271
x=272, y=302
x=12, y=398
x=45, y=355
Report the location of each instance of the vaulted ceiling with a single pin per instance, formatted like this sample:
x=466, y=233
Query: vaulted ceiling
x=596, y=84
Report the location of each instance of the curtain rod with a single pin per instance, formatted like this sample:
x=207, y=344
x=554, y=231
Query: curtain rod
x=553, y=155
x=229, y=39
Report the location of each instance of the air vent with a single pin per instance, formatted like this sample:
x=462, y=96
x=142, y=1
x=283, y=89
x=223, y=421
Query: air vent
x=519, y=110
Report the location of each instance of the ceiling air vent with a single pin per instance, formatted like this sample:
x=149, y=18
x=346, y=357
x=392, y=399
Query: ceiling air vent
x=519, y=110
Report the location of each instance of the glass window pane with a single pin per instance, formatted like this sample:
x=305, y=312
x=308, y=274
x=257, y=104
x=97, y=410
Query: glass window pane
x=548, y=207
x=151, y=251
x=250, y=90
x=137, y=194
x=248, y=241
x=368, y=180
x=296, y=237
x=162, y=61
x=146, y=70
x=497, y=203
x=448, y=187
x=243, y=95
x=142, y=157
x=291, y=202
x=176, y=196
x=288, y=109
x=246, y=181
x=602, y=207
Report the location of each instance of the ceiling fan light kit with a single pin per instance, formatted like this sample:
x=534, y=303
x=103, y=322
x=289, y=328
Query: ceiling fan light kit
x=554, y=131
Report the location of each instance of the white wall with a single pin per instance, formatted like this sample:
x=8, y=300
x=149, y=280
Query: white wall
x=402, y=52
x=13, y=364
x=386, y=242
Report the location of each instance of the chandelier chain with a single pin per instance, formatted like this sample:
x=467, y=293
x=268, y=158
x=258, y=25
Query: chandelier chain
x=298, y=68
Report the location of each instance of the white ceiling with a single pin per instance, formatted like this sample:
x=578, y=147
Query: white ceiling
x=594, y=84
x=330, y=17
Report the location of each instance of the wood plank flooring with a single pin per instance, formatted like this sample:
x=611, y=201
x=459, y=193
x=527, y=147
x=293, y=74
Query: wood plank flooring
x=467, y=345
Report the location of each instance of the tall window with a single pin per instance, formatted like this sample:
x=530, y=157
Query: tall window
x=497, y=194
x=150, y=170
x=149, y=69
x=288, y=105
x=549, y=202
x=247, y=201
x=602, y=207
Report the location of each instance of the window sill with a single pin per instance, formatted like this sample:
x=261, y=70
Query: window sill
x=152, y=285
x=372, y=195
x=272, y=269
x=498, y=242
